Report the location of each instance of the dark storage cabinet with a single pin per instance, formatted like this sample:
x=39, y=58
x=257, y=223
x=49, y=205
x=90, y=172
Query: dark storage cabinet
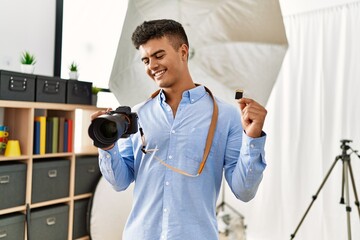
x=49, y=223
x=80, y=226
x=87, y=174
x=17, y=86
x=12, y=184
x=51, y=179
x=78, y=92
x=50, y=89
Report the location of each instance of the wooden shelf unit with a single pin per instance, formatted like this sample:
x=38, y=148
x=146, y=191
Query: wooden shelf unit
x=19, y=116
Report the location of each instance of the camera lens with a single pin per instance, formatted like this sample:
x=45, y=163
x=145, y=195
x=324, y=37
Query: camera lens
x=108, y=129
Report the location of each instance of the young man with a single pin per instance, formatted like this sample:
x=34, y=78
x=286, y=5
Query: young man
x=174, y=197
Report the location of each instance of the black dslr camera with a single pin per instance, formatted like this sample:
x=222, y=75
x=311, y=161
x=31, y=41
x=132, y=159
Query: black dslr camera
x=108, y=128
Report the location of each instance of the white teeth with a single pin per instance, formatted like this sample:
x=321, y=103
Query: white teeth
x=159, y=73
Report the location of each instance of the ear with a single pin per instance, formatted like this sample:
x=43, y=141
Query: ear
x=184, y=51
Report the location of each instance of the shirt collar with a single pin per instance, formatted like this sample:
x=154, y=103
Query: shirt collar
x=192, y=95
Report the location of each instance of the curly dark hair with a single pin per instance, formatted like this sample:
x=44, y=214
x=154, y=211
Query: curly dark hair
x=153, y=29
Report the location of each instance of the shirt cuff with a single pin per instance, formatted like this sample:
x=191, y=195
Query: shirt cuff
x=254, y=146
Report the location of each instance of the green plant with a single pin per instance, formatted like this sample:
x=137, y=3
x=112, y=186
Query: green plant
x=73, y=67
x=27, y=58
x=95, y=90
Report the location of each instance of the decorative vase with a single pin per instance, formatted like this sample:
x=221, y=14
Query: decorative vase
x=27, y=68
x=74, y=75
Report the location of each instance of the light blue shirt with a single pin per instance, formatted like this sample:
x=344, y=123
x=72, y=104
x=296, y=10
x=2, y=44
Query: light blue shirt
x=168, y=205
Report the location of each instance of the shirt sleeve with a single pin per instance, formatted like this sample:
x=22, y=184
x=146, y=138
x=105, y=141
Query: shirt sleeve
x=117, y=164
x=244, y=163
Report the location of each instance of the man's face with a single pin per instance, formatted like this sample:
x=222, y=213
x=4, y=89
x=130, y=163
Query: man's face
x=163, y=63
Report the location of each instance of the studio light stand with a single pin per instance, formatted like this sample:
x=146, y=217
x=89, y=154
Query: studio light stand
x=347, y=169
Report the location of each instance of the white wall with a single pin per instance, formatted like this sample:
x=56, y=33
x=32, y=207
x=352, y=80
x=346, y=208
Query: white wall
x=30, y=25
x=290, y=7
x=27, y=25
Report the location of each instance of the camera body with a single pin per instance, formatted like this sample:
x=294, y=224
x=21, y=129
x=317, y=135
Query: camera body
x=132, y=126
x=106, y=129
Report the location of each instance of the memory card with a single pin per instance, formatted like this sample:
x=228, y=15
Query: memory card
x=239, y=93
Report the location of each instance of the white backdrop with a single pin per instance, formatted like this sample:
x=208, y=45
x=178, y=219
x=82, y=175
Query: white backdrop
x=315, y=103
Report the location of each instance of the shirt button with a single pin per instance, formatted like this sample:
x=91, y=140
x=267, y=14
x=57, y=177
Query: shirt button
x=167, y=183
x=170, y=157
x=252, y=145
x=192, y=100
x=162, y=236
x=107, y=156
x=173, y=131
x=165, y=210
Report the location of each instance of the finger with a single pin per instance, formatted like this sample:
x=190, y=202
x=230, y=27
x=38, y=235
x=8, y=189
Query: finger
x=98, y=113
x=243, y=102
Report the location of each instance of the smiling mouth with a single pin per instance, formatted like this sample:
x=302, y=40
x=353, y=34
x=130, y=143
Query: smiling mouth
x=159, y=74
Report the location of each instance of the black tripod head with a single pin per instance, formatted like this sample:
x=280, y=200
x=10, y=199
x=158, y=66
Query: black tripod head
x=344, y=145
x=345, y=141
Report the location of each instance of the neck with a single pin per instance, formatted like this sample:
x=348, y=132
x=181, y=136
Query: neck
x=174, y=95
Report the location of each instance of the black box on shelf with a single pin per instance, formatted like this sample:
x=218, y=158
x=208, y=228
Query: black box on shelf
x=17, y=86
x=12, y=226
x=12, y=184
x=50, y=180
x=49, y=222
x=87, y=174
x=50, y=89
x=78, y=92
x=80, y=228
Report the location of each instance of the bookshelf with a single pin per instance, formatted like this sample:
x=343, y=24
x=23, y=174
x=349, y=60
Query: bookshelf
x=19, y=116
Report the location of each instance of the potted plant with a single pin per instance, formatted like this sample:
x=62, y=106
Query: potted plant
x=73, y=73
x=94, y=91
x=27, y=62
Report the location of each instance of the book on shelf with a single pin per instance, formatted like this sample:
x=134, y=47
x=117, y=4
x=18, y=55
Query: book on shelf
x=61, y=134
x=49, y=132
x=66, y=133
x=36, y=137
x=42, y=121
x=55, y=134
x=70, y=135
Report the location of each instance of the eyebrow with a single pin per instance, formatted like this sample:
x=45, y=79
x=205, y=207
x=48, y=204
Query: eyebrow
x=158, y=51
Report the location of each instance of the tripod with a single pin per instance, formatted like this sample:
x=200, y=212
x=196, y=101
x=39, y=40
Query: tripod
x=345, y=157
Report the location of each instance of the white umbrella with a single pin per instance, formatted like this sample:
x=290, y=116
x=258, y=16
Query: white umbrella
x=233, y=44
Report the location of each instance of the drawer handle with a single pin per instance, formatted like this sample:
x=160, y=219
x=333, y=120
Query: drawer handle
x=51, y=88
x=52, y=173
x=4, y=179
x=3, y=233
x=51, y=221
x=19, y=85
x=91, y=169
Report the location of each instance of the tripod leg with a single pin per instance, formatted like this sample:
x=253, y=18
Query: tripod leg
x=342, y=201
x=354, y=188
x=347, y=200
x=315, y=196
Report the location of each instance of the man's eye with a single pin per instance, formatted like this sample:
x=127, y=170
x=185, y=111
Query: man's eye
x=160, y=56
x=146, y=62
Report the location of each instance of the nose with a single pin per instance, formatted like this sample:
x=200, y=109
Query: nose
x=153, y=64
